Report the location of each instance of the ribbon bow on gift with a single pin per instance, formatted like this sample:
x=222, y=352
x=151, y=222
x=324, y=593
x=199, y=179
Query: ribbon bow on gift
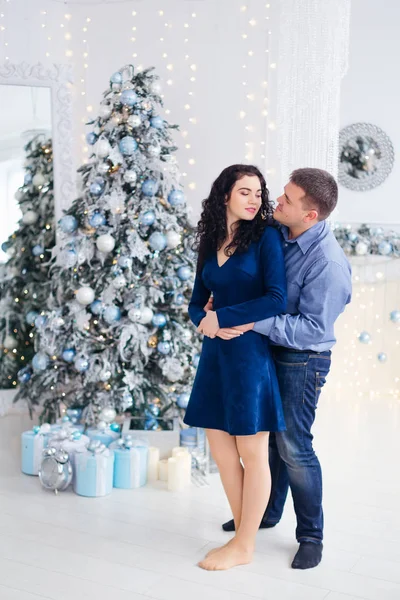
x=127, y=442
x=96, y=447
x=64, y=434
x=42, y=430
x=103, y=426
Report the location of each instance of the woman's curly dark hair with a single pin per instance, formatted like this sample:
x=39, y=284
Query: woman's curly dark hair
x=212, y=228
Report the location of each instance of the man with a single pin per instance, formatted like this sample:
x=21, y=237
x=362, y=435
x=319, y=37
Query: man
x=319, y=287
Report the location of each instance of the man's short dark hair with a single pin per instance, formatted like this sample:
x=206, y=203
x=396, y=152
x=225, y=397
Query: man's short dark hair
x=320, y=189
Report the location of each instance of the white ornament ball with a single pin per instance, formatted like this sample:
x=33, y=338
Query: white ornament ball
x=173, y=239
x=108, y=414
x=85, y=295
x=130, y=176
x=134, y=121
x=10, y=342
x=361, y=249
x=119, y=282
x=146, y=316
x=105, y=111
x=105, y=243
x=103, y=148
x=30, y=217
x=156, y=87
x=38, y=180
x=135, y=315
x=19, y=194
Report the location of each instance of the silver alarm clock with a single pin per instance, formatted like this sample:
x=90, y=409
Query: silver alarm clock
x=56, y=470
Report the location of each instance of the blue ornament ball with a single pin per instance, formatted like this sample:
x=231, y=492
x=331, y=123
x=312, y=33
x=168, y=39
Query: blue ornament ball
x=96, y=307
x=40, y=321
x=183, y=400
x=128, y=145
x=116, y=77
x=157, y=241
x=395, y=316
x=28, y=179
x=68, y=355
x=149, y=187
x=91, y=138
x=24, y=375
x=37, y=250
x=111, y=314
x=176, y=198
x=97, y=219
x=68, y=224
x=147, y=218
x=184, y=273
x=159, y=320
x=164, y=347
x=31, y=316
x=40, y=361
x=114, y=427
x=129, y=97
x=157, y=122
x=179, y=299
x=4, y=246
x=382, y=357
x=81, y=364
x=196, y=360
x=97, y=187
x=364, y=337
x=125, y=262
x=385, y=248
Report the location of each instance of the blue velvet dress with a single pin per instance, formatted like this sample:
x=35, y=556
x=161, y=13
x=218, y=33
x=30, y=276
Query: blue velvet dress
x=236, y=388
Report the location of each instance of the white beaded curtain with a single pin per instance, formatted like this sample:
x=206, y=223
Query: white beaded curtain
x=311, y=61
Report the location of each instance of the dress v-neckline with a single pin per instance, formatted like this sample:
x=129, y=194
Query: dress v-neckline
x=224, y=263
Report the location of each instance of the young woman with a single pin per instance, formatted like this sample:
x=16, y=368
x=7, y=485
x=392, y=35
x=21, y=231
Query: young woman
x=235, y=395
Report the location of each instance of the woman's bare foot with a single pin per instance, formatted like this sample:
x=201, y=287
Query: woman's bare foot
x=214, y=550
x=231, y=555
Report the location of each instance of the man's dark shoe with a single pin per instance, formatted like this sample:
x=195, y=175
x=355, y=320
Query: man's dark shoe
x=230, y=525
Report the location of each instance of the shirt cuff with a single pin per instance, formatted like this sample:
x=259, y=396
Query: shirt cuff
x=264, y=327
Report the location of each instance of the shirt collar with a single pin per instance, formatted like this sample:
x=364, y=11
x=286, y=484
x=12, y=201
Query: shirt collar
x=306, y=239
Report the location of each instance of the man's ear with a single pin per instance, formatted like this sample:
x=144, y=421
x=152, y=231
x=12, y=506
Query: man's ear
x=311, y=216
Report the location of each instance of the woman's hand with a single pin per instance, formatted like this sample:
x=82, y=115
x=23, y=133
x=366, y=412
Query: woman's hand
x=209, y=324
x=228, y=333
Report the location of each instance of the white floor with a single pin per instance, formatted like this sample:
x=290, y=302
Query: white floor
x=146, y=543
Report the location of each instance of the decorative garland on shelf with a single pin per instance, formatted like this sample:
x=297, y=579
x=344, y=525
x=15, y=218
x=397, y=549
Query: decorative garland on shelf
x=367, y=240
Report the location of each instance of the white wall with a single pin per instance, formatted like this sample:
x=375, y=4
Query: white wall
x=371, y=93
x=215, y=45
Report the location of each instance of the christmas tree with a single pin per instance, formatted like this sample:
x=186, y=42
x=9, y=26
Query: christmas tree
x=119, y=335
x=24, y=287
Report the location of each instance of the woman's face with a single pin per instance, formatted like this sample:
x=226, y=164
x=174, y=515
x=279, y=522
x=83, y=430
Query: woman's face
x=244, y=201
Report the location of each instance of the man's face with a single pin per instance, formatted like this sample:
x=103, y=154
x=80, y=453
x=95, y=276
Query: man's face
x=292, y=210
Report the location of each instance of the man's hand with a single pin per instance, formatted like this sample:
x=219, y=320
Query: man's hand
x=209, y=305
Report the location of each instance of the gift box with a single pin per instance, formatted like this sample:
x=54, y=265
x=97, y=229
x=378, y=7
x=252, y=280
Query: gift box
x=130, y=466
x=70, y=440
x=94, y=470
x=106, y=434
x=33, y=443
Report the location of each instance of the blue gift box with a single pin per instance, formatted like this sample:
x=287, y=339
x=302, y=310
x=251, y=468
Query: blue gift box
x=105, y=435
x=94, y=471
x=130, y=467
x=33, y=443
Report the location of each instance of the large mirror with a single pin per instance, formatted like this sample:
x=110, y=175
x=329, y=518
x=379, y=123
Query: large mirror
x=25, y=115
x=366, y=156
x=35, y=103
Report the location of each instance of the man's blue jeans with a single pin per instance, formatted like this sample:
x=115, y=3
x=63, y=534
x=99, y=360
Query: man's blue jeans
x=293, y=461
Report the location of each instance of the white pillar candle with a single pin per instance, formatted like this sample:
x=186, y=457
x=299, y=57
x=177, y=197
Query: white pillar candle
x=186, y=459
x=176, y=474
x=152, y=468
x=179, y=450
x=163, y=470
